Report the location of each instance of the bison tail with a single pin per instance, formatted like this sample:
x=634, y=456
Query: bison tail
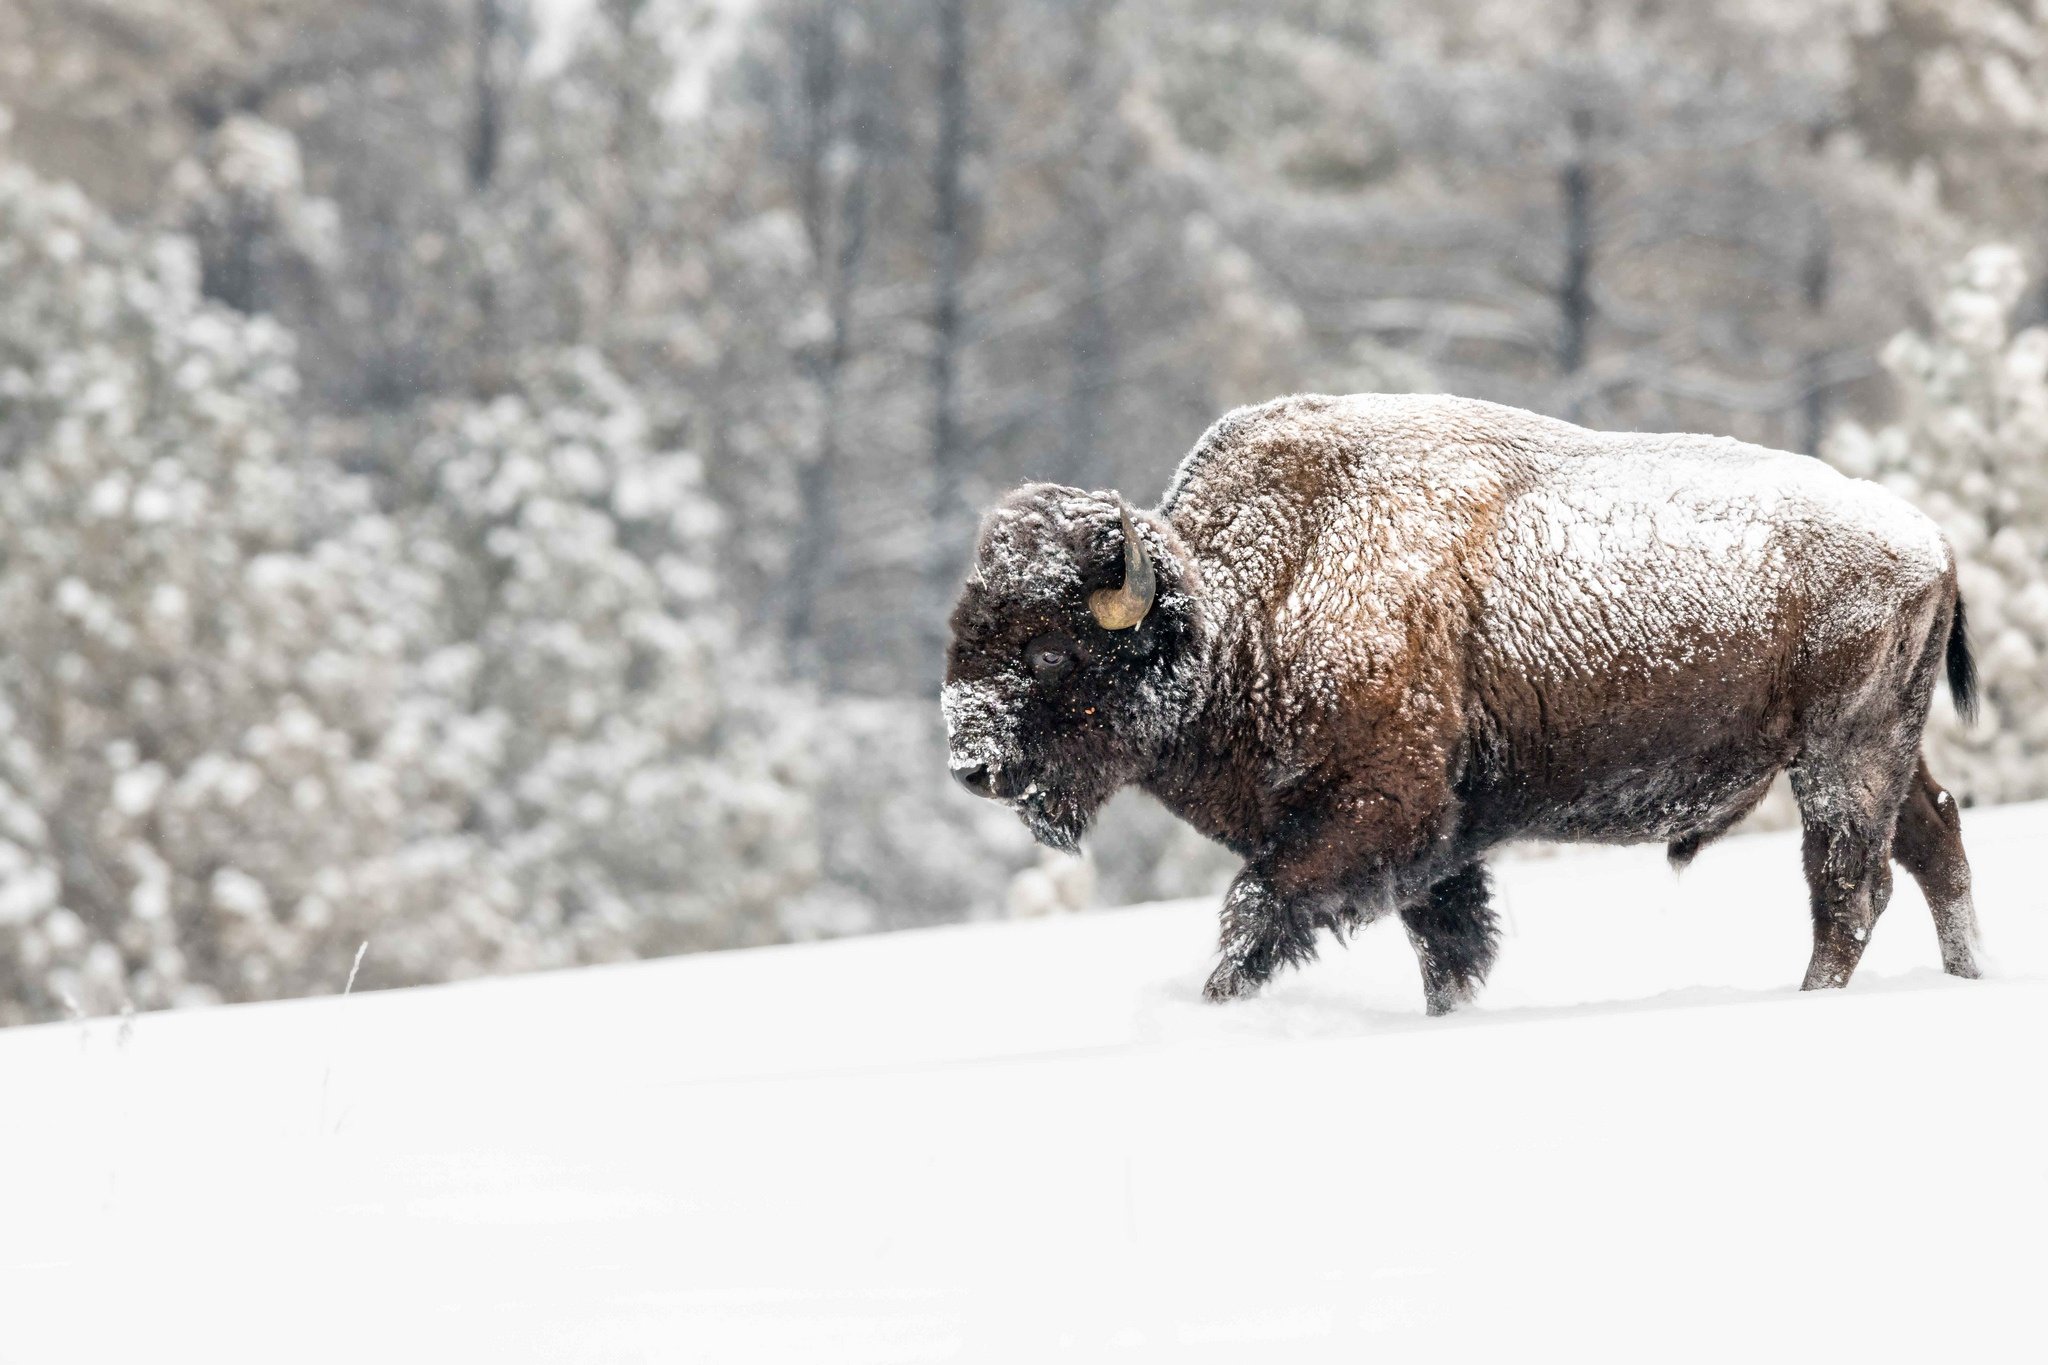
x=1962, y=669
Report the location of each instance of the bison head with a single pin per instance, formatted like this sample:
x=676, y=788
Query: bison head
x=1072, y=643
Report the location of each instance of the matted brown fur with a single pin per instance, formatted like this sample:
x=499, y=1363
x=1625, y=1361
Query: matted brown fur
x=1392, y=632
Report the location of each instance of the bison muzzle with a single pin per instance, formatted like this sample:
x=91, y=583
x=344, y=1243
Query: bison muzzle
x=1363, y=641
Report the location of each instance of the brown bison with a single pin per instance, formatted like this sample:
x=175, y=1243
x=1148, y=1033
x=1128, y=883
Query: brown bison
x=1364, y=640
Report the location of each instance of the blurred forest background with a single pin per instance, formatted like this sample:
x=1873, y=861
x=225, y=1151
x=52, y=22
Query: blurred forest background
x=486, y=477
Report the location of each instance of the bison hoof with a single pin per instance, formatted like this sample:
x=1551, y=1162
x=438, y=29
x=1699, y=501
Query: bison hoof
x=1229, y=982
x=1447, y=997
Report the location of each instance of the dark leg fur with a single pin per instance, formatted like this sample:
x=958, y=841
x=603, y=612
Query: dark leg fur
x=1848, y=877
x=1849, y=791
x=1929, y=845
x=1853, y=782
x=1262, y=932
x=1455, y=937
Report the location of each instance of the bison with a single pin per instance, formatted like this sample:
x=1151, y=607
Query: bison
x=1364, y=640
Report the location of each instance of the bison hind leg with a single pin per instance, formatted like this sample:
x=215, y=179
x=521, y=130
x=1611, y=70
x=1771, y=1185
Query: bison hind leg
x=1848, y=805
x=1929, y=845
x=1456, y=937
x=1858, y=783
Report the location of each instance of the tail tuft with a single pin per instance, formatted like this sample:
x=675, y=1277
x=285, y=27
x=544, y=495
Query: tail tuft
x=1962, y=669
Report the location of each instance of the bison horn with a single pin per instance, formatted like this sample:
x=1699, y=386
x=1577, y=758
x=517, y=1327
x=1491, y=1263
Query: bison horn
x=1121, y=608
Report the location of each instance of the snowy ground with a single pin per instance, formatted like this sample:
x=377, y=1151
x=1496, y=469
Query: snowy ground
x=1032, y=1141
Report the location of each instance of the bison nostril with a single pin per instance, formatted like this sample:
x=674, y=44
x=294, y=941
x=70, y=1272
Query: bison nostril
x=976, y=777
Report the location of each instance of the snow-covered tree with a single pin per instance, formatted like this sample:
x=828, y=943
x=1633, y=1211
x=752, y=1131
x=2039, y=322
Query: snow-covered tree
x=1641, y=216
x=540, y=556
x=262, y=239
x=197, y=660
x=1967, y=448
x=487, y=710
x=631, y=774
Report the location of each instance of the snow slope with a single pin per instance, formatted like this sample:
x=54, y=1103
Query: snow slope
x=1032, y=1141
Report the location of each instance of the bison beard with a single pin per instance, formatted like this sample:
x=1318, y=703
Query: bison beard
x=1054, y=821
x=1365, y=640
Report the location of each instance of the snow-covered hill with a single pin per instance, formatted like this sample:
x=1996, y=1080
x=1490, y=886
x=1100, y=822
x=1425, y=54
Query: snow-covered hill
x=1032, y=1141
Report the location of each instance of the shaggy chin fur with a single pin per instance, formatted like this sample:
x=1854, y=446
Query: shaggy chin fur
x=1392, y=632
x=1057, y=822
x=1060, y=746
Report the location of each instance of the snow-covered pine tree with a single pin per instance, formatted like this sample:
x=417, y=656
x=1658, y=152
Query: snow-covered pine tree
x=1967, y=448
x=487, y=712
x=264, y=242
x=203, y=632
x=626, y=768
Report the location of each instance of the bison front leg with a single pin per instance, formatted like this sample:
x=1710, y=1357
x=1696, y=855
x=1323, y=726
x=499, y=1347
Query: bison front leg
x=1455, y=936
x=1319, y=880
x=1264, y=929
x=1280, y=902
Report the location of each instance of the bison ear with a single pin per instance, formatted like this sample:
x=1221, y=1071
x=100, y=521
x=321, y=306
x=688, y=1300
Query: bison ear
x=1123, y=607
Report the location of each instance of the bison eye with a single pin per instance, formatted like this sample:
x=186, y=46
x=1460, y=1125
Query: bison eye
x=1049, y=656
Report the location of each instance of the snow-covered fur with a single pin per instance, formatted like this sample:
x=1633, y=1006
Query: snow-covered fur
x=1393, y=631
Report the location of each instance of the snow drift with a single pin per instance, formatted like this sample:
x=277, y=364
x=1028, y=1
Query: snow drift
x=1029, y=1141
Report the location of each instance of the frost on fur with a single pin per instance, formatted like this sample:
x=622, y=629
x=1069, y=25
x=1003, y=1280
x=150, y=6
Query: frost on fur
x=1396, y=631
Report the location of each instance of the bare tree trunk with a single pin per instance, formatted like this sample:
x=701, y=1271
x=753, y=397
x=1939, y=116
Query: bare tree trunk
x=837, y=231
x=1814, y=281
x=486, y=141
x=631, y=114
x=818, y=540
x=1816, y=278
x=1574, y=299
x=949, y=252
x=393, y=372
x=1091, y=359
x=817, y=44
x=228, y=269
x=486, y=114
x=818, y=78
x=1091, y=341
